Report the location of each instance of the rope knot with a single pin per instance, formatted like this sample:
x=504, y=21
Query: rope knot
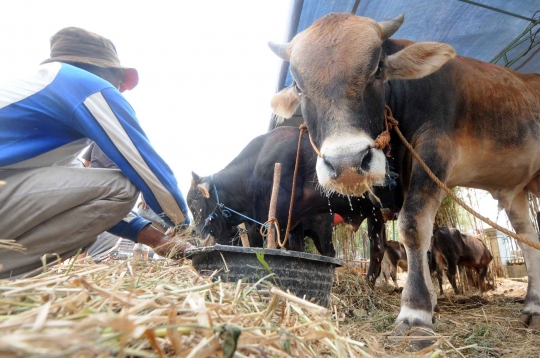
x=264, y=232
x=383, y=140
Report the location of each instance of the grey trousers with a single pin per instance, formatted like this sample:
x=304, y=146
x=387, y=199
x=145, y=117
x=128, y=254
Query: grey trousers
x=58, y=210
x=103, y=245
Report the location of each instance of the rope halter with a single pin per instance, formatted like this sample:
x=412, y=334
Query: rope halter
x=382, y=141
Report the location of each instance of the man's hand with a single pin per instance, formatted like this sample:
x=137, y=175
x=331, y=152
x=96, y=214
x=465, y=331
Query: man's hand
x=143, y=203
x=163, y=245
x=173, y=248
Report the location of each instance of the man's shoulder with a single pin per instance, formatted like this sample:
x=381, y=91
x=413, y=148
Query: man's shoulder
x=76, y=85
x=80, y=78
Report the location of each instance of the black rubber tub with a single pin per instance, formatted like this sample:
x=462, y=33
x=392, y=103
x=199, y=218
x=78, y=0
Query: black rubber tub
x=306, y=275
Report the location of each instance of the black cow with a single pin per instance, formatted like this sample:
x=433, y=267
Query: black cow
x=473, y=123
x=245, y=186
x=454, y=249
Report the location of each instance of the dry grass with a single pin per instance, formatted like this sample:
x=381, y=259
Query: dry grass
x=158, y=309
x=468, y=326
x=11, y=245
x=165, y=309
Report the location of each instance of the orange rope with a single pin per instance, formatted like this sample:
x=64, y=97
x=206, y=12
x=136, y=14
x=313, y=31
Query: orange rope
x=303, y=129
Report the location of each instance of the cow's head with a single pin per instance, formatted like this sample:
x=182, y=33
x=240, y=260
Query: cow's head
x=211, y=224
x=339, y=68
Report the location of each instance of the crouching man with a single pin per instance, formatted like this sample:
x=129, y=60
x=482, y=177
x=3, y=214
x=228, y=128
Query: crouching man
x=46, y=119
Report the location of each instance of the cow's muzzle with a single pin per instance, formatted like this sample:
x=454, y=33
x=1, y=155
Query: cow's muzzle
x=338, y=165
x=350, y=165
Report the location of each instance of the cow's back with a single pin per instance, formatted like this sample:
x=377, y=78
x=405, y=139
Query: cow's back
x=448, y=242
x=496, y=123
x=475, y=252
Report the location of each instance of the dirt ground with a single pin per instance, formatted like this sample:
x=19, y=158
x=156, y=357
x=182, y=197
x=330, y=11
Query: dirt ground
x=469, y=325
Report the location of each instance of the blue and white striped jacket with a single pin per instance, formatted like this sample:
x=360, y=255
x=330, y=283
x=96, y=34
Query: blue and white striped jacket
x=47, y=118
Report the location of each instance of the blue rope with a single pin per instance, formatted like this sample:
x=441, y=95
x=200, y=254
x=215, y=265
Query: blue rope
x=215, y=189
x=222, y=206
x=236, y=212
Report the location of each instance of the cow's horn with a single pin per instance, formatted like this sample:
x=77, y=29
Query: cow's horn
x=391, y=26
x=279, y=49
x=203, y=188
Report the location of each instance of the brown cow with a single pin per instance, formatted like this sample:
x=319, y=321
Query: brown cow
x=473, y=123
x=394, y=256
x=455, y=250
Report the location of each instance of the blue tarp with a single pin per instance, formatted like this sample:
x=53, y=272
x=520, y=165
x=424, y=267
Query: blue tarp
x=473, y=31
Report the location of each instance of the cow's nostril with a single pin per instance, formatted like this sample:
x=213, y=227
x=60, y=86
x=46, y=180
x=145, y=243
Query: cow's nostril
x=336, y=165
x=366, y=160
x=331, y=169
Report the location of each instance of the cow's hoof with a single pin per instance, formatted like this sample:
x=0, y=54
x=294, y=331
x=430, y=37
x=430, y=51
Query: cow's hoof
x=398, y=289
x=535, y=323
x=524, y=319
x=414, y=336
x=437, y=308
x=531, y=321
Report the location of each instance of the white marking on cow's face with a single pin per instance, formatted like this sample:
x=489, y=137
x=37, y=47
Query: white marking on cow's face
x=349, y=165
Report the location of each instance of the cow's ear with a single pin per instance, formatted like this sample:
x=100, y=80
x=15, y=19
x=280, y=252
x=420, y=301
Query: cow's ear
x=284, y=103
x=195, y=179
x=418, y=60
x=204, y=188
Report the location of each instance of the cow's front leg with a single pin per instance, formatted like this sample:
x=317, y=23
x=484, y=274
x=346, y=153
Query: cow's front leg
x=419, y=298
x=377, y=241
x=296, y=238
x=415, y=225
x=518, y=213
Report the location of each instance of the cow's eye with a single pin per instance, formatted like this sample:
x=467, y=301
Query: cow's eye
x=379, y=70
x=298, y=90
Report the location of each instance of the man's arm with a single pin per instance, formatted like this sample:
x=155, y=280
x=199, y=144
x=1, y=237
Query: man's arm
x=87, y=156
x=107, y=119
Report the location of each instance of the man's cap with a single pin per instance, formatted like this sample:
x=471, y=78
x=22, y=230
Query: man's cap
x=76, y=45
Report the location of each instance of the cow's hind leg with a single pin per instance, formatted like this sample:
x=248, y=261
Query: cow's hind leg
x=518, y=213
x=393, y=274
x=451, y=273
x=440, y=279
x=482, y=273
x=385, y=269
x=436, y=264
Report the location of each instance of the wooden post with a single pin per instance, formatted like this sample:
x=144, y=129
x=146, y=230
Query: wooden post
x=243, y=235
x=271, y=243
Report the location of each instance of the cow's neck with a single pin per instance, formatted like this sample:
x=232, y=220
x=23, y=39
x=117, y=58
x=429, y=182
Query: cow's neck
x=237, y=200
